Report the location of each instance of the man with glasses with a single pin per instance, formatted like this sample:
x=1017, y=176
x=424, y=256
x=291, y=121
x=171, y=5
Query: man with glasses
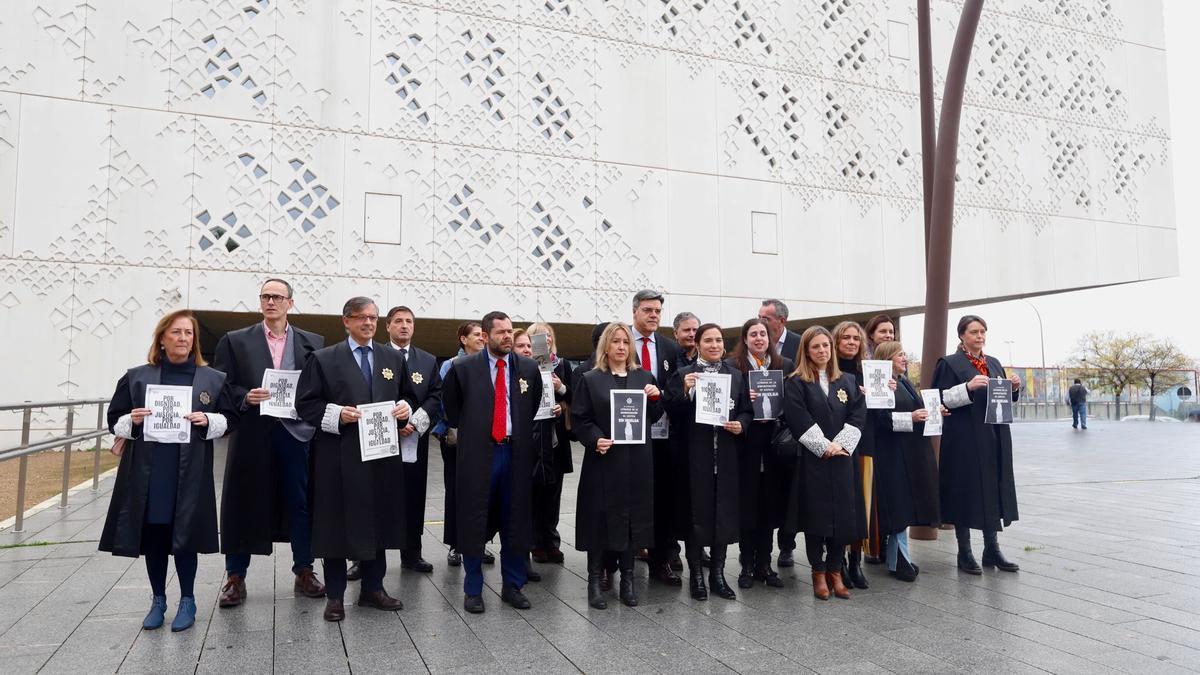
x=265, y=493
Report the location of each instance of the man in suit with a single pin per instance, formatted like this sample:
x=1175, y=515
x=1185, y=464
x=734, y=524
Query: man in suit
x=264, y=497
x=357, y=505
x=775, y=314
x=491, y=397
x=660, y=355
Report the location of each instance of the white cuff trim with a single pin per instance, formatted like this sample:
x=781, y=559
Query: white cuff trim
x=902, y=421
x=562, y=389
x=124, y=427
x=815, y=441
x=956, y=396
x=332, y=418
x=217, y=424
x=848, y=437
x=420, y=420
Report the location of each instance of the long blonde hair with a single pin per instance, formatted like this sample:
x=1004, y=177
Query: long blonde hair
x=606, y=339
x=805, y=368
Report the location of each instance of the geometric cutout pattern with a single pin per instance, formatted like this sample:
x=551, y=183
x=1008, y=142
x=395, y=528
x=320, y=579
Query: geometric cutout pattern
x=304, y=199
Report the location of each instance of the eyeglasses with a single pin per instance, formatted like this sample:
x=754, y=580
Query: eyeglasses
x=363, y=317
x=271, y=297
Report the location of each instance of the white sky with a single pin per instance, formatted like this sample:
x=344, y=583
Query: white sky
x=1165, y=308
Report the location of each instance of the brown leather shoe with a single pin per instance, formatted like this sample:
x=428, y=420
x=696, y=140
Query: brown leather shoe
x=663, y=572
x=308, y=584
x=820, y=588
x=380, y=600
x=334, y=610
x=233, y=592
x=835, y=582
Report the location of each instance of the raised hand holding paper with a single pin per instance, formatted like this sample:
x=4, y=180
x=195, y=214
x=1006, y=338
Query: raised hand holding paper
x=545, y=409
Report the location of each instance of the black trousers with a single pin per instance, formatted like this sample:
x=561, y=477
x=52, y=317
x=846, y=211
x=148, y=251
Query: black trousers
x=787, y=540
x=666, y=546
x=372, y=575
x=755, y=547
x=547, y=501
x=823, y=554
x=450, y=510
x=695, y=552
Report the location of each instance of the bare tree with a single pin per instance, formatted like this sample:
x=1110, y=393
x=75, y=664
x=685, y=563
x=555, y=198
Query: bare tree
x=1165, y=366
x=1112, y=361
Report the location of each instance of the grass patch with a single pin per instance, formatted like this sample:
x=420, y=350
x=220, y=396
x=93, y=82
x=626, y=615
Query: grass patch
x=1031, y=549
x=28, y=544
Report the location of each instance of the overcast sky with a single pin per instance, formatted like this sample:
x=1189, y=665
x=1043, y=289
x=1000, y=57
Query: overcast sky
x=1166, y=308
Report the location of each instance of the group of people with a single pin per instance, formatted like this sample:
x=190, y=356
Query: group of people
x=851, y=479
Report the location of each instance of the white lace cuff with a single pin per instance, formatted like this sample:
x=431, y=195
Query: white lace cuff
x=562, y=389
x=902, y=421
x=956, y=396
x=848, y=437
x=217, y=424
x=420, y=420
x=333, y=416
x=124, y=427
x=815, y=441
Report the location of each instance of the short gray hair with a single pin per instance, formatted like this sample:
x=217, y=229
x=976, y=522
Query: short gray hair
x=781, y=309
x=355, y=304
x=684, y=316
x=646, y=295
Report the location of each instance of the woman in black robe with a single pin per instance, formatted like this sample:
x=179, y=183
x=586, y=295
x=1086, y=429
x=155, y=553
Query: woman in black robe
x=164, y=502
x=615, y=502
x=849, y=344
x=906, y=472
x=825, y=413
x=763, y=482
x=978, y=491
x=709, y=485
x=879, y=329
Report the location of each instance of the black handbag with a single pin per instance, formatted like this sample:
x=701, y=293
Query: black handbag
x=782, y=442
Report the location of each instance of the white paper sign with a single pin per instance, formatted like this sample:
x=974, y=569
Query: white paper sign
x=713, y=398
x=661, y=430
x=933, y=404
x=408, y=448
x=545, y=409
x=282, y=385
x=169, y=407
x=876, y=375
x=378, y=436
x=627, y=416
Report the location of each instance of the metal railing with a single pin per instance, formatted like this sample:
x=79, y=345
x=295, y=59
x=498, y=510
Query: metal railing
x=22, y=452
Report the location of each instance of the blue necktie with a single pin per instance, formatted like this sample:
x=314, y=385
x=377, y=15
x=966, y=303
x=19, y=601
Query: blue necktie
x=366, y=365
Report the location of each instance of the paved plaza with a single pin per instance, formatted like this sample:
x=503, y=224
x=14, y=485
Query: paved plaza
x=1107, y=543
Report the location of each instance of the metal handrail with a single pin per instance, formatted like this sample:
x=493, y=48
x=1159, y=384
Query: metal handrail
x=22, y=452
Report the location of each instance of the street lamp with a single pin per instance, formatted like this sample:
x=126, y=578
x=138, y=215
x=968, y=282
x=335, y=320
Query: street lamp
x=1010, y=361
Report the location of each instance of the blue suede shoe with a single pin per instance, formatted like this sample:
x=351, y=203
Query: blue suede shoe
x=154, y=618
x=185, y=616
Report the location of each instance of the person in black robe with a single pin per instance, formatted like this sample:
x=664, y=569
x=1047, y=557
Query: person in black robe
x=544, y=442
x=906, y=472
x=491, y=398
x=763, y=478
x=825, y=413
x=707, y=476
x=848, y=345
x=421, y=369
x=774, y=313
x=556, y=459
x=879, y=329
x=357, y=506
x=164, y=501
x=659, y=354
x=264, y=497
x=685, y=326
x=615, y=500
x=978, y=491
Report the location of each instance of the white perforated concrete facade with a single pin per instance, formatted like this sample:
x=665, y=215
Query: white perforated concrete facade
x=549, y=157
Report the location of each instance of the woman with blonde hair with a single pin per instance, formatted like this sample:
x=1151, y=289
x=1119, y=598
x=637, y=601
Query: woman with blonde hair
x=825, y=413
x=164, y=502
x=849, y=343
x=615, y=501
x=556, y=461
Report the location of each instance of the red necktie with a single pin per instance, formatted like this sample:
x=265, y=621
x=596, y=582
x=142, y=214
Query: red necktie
x=646, y=365
x=499, y=411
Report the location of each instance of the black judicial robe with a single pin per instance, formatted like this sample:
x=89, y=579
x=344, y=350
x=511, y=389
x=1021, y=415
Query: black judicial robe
x=710, y=504
x=195, y=523
x=822, y=500
x=671, y=513
x=906, y=471
x=615, y=502
x=763, y=477
x=977, y=485
x=357, y=507
x=468, y=396
x=425, y=383
x=866, y=448
x=253, y=508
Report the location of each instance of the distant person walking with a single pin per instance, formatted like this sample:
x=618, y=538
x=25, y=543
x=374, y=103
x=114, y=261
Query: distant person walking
x=1077, y=395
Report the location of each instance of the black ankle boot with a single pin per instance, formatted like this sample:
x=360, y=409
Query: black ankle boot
x=716, y=579
x=746, y=576
x=696, y=582
x=967, y=563
x=904, y=570
x=595, y=595
x=992, y=557
x=854, y=571
x=628, y=597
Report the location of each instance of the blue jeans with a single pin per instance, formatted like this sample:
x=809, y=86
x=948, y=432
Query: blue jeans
x=897, y=544
x=513, y=565
x=291, y=461
x=1079, y=414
